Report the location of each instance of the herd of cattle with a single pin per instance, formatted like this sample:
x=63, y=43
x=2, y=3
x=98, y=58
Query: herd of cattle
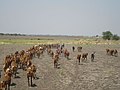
x=23, y=60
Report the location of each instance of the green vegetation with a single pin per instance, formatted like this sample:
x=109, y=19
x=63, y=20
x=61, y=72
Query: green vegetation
x=115, y=37
x=24, y=41
x=109, y=36
x=108, y=39
x=82, y=41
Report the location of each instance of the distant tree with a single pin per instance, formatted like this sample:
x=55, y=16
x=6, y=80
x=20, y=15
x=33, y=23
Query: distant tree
x=97, y=36
x=107, y=35
x=115, y=37
x=1, y=33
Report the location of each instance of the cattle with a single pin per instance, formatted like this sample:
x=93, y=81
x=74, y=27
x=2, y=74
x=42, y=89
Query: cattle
x=66, y=53
x=38, y=53
x=29, y=63
x=58, y=51
x=115, y=53
x=14, y=68
x=48, y=50
x=24, y=59
x=55, y=46
x=92, y=56
x=7, y=62
x=55, y=63
x=107, y=51
x=73, y=48
x=112, y=52
x=34, y=69
x=7, y=79
x=84, y=56
x=79, y=57
x=63, y=45
x=55, y=59
x=79, y=49
x=52, y=54
x=30, y=75
x=17, y=59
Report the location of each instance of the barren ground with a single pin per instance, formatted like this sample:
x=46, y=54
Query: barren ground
x=102, y=74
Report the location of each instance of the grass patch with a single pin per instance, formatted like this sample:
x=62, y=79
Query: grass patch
x=54, y=41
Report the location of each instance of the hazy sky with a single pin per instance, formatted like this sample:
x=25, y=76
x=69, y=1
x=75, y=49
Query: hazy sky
x=60, y=17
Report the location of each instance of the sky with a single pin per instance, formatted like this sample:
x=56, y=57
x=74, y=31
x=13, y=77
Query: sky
x=60, y=17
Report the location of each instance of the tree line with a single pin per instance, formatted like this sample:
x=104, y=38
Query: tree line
x=15, y=34
x=107, y=35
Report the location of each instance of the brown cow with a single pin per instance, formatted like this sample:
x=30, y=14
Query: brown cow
x=79, y=49
x=84, y=56
x=55, y=58
x=66, y=53
x=79, y=57
x=7, y=62
x=115, y=53
x=7, y=79
x=14, y=68
x=112, y=52
x=30, y=75
x=107, y=51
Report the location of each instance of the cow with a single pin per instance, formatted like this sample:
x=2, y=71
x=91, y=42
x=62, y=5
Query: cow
x=79, y=57
x=30, y=74
x=66, y=53
x=115, y=53
x=38, y=53
x=107, y=51
x=73, y=48
x=7, y=79
x=84, y=56
x=112, y=52
x=79, y=49
x=14, y=68
x=55, y=59
x=92, y=56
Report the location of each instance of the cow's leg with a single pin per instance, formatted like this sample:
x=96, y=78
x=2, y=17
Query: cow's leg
x=31, y=80
x=28, y=81
x=22, y=66
x=8, y=86
x=15, y=73
x=5, y=87
x=54, y=65
x=79, y=61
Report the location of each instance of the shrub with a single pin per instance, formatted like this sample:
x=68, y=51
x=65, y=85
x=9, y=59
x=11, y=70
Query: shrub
x=107, y=35
x=115, y=37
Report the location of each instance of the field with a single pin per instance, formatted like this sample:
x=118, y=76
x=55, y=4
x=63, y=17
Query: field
x=102, y=74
